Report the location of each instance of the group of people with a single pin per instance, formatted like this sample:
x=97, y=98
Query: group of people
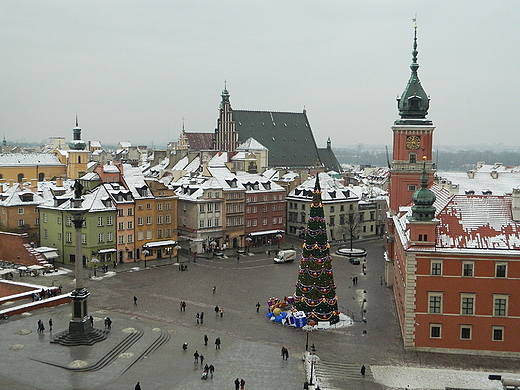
x=240, y=384
x=200, y=318
x=41, y=327
x=108, y=323
x=182, y=304
x=219, y=311
x=51, y=292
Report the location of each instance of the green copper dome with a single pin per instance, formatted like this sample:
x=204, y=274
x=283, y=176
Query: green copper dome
x=414, y=102
x=423, y=199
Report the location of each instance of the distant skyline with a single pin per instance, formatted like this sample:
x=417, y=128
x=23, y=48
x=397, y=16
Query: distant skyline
x=133, y=70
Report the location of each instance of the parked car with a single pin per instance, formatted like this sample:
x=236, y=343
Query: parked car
x=354, y=260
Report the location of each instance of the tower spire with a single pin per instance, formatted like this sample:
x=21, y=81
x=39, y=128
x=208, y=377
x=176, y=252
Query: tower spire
x=414, y=102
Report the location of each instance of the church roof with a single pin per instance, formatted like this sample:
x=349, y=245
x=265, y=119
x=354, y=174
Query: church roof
x=329, y=160
x=200, y=141
x=287, y=136
x=251, y=144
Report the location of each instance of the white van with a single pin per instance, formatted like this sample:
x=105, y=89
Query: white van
x=285, y=256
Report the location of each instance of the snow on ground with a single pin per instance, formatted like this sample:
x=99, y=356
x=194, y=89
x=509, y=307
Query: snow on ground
x=433, y=379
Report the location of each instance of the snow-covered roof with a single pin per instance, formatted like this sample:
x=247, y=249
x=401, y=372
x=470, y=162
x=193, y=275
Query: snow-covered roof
x=331, y=190
x=23, y=159
x=498, y=179
x=251, y=144
x=469, y=223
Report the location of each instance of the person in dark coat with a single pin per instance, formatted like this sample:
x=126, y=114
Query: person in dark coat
x=237, y=384
x=138, y=386
x=363, y=369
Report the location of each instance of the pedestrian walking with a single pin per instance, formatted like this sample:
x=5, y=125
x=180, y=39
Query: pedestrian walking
x=285, y=353
x=214, y=289
x=198, y=318
x=363, y=369
x=205, y=339
x=237, y=384
x=217, y=343
x=50, y=324
x=135, y=300
x=137, y=386
x=242, y=384
x=238, y=258
x=258, y=307
x=201, y=357
x=204, y=373
x=184, y=346
x=196, y=356
x=91, y=321
x=216, y=310
x=221, y=312
x=211, y=370
x=201, y=317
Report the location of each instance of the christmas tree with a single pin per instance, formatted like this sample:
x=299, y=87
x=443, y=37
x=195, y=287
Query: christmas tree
x=315, y=291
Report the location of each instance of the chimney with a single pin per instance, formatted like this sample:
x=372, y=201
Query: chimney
x=515, y=205
x=471, y=174
x=34, y=183
x=59, y=182
x=494, y=174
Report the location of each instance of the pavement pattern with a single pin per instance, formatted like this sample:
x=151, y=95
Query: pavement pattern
x=145, y=342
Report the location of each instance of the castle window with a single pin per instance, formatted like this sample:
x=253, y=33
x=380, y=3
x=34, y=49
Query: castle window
x=500, y=270
x=436, y=267
x=413, y=158
x=498, y=333
x=411, y=187
x=467, y=268
x=435, y=331
x=465, y=332
x=435, y=303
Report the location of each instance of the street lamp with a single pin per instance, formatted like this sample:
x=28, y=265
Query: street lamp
x=145, y=253
x=248, y=240
x=178, y=248
x=313, y=351
x=279, y=238
x=95, y=262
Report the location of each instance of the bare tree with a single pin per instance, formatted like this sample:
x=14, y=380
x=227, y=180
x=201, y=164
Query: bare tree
x=351, y=227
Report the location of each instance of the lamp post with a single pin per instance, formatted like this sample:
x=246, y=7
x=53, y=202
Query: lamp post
x=313, y=351
x=178, y=248
x=145, y=253
x=248, y=240
x=95, y=262
x=279, y=238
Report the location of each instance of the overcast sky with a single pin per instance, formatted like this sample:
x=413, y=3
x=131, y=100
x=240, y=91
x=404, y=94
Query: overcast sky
x=132, y=70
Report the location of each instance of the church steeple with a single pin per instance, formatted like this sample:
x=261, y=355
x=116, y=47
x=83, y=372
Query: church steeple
x=423, y=199
x=226, y=135
x=414, y=102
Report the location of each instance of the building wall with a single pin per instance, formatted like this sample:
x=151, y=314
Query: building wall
x=37, y=172
x=483, y=287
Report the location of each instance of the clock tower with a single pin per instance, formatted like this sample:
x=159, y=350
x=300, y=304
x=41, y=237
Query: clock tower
x=413, y=140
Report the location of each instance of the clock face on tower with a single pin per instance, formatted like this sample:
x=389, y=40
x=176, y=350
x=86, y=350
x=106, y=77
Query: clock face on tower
x=413, y=142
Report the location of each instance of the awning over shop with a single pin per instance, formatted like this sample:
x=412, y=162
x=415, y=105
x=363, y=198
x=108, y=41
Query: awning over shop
x=47, y=252
x=111, y=250
x=158, y=244
x=50, y=255
x=265, y=232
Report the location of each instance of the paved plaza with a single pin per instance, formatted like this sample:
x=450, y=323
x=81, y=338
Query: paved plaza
x=145, y=342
